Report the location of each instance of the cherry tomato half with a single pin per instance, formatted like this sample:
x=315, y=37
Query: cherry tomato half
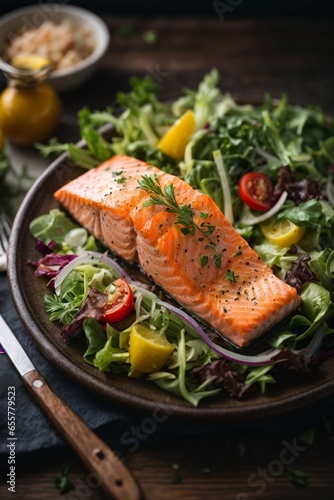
x=256, y=191
x=119, y=303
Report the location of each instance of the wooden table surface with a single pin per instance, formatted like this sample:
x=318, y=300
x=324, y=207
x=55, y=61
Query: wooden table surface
x=254, y=56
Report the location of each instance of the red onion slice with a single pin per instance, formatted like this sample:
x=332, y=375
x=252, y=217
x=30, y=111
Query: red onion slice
x=263, y=358
x=259, y=359
x=89, y=257
x=251, y=219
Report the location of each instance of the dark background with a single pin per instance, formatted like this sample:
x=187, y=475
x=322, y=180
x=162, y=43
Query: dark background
x=235, y=8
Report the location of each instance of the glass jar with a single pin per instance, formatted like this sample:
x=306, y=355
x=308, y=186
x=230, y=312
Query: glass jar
x=29, y=107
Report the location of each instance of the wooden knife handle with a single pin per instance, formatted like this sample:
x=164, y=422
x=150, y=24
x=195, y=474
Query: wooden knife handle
x=110, y=473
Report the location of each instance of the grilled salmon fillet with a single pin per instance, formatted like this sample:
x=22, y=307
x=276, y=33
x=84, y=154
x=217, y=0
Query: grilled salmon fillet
x=213, y=273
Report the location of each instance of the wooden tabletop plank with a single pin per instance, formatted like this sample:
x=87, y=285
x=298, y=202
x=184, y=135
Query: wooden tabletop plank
x=214, y=466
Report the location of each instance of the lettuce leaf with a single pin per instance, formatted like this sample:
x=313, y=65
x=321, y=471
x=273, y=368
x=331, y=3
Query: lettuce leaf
x=52, y=226
x=95, y=338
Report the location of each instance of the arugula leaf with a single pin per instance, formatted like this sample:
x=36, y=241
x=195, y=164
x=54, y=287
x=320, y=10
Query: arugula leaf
x=109, y=355
x=206, y=98
x=283, y=339
x=54, y=147
x=327, y=147
x=95, y=338
x=274, y=139
x=316, y=306
x=322, y=264
x=308, y=214
x=261, y=376
x=82, y=157
x=142, y=92
x=97, y=145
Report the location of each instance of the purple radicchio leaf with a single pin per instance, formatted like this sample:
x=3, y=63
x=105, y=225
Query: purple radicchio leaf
x=51, y=264
x=91, y=308
x=300, y=272
x=222, y=375
x=44, y=248
x=295, y=361
x=298, y=191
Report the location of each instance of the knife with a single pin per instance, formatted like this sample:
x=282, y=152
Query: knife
x=110, y=472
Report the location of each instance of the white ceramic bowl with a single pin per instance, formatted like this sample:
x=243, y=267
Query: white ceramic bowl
x=35, y=15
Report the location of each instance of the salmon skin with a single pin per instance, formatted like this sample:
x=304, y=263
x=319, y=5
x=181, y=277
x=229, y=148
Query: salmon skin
x=219, y=277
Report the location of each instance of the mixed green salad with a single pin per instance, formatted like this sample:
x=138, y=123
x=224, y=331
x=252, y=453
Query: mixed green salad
x=270, y=168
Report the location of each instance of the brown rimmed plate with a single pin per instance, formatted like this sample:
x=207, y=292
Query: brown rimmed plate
x=28, y=292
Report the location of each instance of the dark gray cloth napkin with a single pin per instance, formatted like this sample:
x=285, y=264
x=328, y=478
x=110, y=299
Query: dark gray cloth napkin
x=122, y=428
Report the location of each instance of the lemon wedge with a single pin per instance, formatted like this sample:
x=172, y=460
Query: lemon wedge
x=29, y=62
x=148, y=350
x=284, y=233
x=175, y=140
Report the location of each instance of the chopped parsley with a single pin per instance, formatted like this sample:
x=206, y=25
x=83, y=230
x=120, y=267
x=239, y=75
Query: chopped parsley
x=121, y=180
x=150, y=37
x=176, y=478
x=204, y=260
x=297, y=477
x=62, y=482
x=230, y=276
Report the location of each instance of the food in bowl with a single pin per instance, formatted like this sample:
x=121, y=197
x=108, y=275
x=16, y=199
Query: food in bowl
x=63, y=44
x=21, y=20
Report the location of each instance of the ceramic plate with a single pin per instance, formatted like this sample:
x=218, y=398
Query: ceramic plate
x=28, y=292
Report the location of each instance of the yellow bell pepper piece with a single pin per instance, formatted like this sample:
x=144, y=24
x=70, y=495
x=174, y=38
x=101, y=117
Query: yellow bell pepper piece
x=148, y=350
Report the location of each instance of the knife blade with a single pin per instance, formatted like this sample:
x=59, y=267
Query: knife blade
x=110, y=472
x=14, y=349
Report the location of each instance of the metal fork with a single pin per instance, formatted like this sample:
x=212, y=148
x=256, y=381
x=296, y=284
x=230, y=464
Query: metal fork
x=5, y=227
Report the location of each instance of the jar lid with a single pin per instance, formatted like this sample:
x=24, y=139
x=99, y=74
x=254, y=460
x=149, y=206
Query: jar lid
x=24, y=77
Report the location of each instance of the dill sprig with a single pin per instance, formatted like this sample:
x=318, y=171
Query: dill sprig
x=185, y=214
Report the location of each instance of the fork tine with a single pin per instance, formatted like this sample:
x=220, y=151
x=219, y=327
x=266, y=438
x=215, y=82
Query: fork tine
x=3, y=244
x=5, y=228
x=6, y=224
